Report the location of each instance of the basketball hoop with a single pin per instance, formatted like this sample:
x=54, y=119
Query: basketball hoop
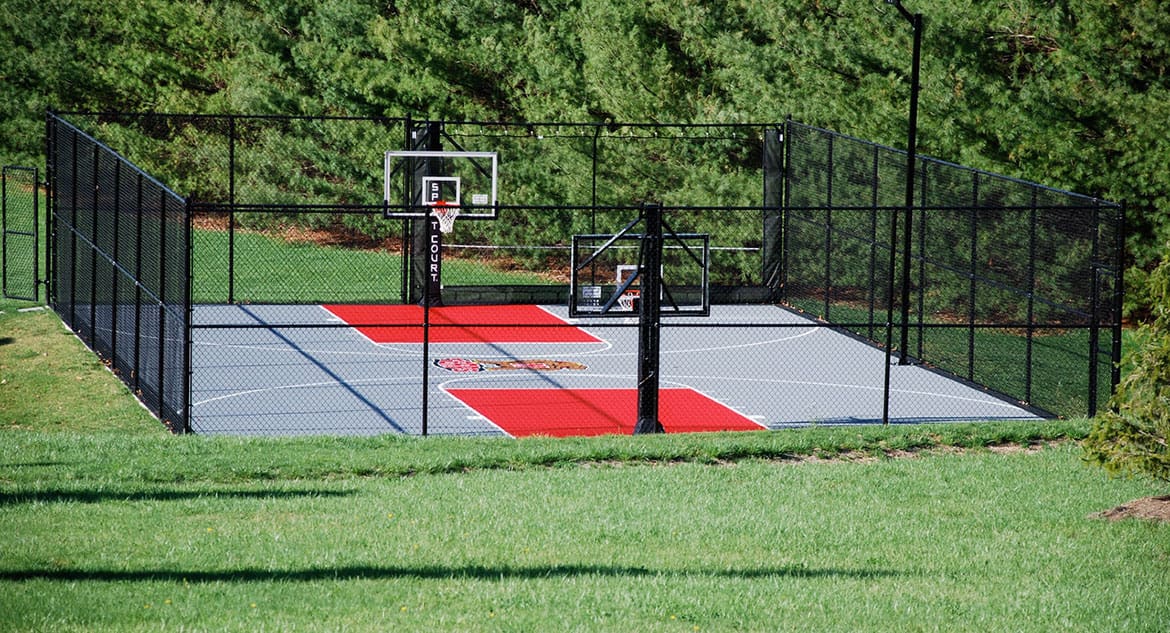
x=445, y=212
x=626, y=302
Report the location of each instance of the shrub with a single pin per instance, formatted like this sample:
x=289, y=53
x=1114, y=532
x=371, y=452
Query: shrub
x=1133, y=437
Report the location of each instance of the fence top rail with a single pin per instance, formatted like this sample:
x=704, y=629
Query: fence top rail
x=577, y=129
x=341, y=208
x=8, y=168
x=196, y=115
x=483, y=123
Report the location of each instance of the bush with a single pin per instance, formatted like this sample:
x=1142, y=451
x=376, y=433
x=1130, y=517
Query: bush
x=1134, y=436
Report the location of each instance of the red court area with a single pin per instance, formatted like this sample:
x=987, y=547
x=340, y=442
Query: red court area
x=460, y=324
x=586, y=412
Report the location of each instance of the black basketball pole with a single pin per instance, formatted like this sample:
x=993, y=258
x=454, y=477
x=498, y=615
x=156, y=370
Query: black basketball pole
x=649, y=311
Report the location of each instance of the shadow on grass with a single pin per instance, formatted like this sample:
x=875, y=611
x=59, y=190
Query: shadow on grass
x=424, y=572
x=103, y=496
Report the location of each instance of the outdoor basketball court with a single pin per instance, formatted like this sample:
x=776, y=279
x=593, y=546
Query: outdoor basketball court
x=354, y=369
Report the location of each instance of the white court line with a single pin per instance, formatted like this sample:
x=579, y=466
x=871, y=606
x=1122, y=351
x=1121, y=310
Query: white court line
x=606, y=345
x=674, y=379
x=418, y=352
x=284, y=347
x=751, y=418
x=477, y=415
x=306, y=385
x=609, y=345
x=808, y=383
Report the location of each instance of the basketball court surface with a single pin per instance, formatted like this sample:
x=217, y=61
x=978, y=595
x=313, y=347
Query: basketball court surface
x=358, y=370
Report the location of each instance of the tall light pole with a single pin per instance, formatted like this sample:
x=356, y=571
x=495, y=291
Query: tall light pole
x=915, y=20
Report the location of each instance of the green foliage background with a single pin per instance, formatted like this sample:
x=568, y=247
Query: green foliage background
x=1071, y=93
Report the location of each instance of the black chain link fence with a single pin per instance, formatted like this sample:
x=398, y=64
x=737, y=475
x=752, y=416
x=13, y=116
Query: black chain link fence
x=282, y=324
x=1008, y=284
x=19, y=232
x=119, y=274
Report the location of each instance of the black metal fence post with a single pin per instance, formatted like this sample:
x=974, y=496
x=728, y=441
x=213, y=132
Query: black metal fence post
x=114, y=298
x=1118, y=293
x=828, y=279
x=139, y=208
x=232, y=210
x=92, y=246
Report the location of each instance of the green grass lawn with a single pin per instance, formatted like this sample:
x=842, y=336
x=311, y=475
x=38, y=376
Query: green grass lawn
x=108, y=523
x=977, y=541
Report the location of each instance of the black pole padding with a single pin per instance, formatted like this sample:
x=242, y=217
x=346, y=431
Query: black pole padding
x=433, y=278
x=649, y=326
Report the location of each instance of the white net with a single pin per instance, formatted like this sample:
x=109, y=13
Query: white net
x=445, y=213
x=627, y=301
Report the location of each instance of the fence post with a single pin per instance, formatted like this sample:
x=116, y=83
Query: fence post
x=786, y=216
x=911, y=160
x=973, y=219
x=50, y=188
x=1030, y=332
x=231, y=209
x=138, y=212
x=162, y=308
x=115, y=300
x=1118, y=293
x=92, y=248
x=189, y=314
x=829, y=229
x=773, y=212
x=871, y=275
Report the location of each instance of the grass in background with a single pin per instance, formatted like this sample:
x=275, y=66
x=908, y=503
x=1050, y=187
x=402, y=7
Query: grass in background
x=273, y=269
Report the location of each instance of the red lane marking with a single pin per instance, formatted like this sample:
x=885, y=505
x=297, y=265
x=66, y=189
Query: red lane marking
x=583, y=412
x=461, y=324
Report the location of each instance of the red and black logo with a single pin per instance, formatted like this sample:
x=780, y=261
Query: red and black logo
x=468, y=366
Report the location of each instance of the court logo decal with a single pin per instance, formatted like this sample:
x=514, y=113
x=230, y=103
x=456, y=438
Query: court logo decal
x=468, y=366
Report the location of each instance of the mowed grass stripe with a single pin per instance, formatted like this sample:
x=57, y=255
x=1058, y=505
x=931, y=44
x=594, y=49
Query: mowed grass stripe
x=947, y=542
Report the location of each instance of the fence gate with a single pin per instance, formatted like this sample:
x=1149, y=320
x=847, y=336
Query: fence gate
x=18, y=217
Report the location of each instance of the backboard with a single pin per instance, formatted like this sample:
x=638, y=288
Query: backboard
x=414, y=181
x=605, y=279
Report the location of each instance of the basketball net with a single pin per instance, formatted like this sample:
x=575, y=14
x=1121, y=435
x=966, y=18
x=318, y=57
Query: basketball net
x=626, y=301
x=445, y=212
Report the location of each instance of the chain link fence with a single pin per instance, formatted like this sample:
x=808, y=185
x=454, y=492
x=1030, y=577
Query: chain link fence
x=1007, y=284
x=119, y=274
x=19, y=232
x=277, y=299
